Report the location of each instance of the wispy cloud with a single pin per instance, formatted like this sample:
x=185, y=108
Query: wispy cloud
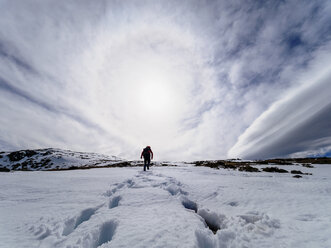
x=298, y=124
x=187, y=78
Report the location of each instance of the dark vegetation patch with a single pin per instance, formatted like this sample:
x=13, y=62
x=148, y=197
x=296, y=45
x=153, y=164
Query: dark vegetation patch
x=248, y=168
x=322, y=160
x=74, y=168
x=94, y=166
x=112, y=165
x=217, y=164
x=306, y=162
x=237, y=164
x=121, y=164
x=166, y=164
x=297, y=176
x=211, y=164
x=241, y=166
x=229, y=166
x=275, y=161
x=3, y=169
x=307, y=165
x=297, y=172
x=274, y=169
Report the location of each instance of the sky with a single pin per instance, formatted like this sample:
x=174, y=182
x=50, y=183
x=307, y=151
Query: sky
x=193, y=79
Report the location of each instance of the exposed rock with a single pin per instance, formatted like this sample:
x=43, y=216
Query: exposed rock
x=15, y=166
x=18, y=155
x=45, y=162
x=274, y=169
x=47, y=153
x=2, y=169
x=297, y=176
x=296, y=172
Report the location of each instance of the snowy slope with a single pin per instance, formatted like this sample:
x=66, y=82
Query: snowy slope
x=53, y=159
x=165, y=207
x=58, y=159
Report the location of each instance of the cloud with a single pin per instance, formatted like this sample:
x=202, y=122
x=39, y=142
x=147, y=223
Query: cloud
x=186, y=78
x=298, y=124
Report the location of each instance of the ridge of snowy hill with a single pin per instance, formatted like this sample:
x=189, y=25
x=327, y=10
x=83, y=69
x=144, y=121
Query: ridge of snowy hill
x=54, y=159
x=51, y=159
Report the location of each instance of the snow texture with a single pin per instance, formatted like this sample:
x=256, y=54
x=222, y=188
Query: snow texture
x=165, y=207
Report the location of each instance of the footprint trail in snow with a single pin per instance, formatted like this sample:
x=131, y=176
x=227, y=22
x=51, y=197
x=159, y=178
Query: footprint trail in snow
x=149, y=210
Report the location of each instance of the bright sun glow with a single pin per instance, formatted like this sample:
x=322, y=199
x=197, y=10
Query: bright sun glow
x=155, y=97
x=146, y=81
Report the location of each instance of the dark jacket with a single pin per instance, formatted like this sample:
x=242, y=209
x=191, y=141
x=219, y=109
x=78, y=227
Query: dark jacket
x=146, y=153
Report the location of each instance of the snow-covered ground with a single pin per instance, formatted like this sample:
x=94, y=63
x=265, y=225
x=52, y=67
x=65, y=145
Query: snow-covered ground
x=165, y=207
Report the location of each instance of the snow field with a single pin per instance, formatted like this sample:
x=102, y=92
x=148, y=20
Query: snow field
x=165, y=207
x=264, y=209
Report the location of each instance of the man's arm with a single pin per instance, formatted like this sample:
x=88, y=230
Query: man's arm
x=152, y=153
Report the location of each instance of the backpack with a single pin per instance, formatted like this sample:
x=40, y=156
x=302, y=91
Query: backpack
x=146, y=152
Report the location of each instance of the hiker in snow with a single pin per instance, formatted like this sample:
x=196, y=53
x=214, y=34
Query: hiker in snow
x=148, y=155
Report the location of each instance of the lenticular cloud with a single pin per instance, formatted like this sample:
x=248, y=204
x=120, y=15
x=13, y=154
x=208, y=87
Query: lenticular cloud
x=299, y=122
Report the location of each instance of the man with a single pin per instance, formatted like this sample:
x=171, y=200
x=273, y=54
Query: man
x=148, y=155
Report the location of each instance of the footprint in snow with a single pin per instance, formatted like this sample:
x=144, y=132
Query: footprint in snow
x=41, y=231
x=106, y=233
x=174, y=189
x=71, y=224
x=117, y=186
x=233, y=204
x=114, y=202
x=211, y=219
x=188, y=204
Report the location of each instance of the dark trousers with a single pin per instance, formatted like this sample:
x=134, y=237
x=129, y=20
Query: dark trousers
x=147, y=162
